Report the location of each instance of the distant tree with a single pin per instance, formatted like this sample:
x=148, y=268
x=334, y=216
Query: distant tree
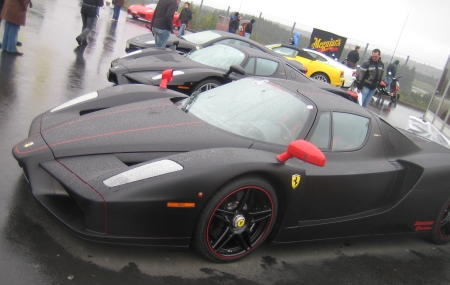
x=407, y=78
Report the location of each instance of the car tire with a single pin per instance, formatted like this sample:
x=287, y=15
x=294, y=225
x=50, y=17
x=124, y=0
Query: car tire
x=440, y=233
x=236, y=220
x=206, y=85
x=321, y=77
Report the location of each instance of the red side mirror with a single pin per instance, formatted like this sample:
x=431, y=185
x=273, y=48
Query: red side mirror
x=305, y=151
x=353, y=94
x=167, y=76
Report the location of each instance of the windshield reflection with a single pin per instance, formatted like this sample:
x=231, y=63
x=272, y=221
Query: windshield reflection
x=254, y=108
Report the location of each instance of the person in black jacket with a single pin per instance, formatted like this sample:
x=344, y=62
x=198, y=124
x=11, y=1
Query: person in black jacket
x=390, y=73
x=369, y=76
x=353, y=57
x=89, y=10
x=185, y=17
x=162, y=22
x=234, y=23
x=249, y=28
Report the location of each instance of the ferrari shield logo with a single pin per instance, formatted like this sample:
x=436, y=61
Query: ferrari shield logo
x=295, y=180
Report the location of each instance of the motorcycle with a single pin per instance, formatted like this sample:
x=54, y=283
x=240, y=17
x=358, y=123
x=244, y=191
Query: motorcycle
x=390, y=91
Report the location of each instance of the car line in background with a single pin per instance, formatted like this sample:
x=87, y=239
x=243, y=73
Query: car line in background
x=207, y=68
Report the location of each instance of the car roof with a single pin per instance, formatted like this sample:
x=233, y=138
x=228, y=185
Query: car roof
x=241, y=38
x=324, y=100
x=254, y=52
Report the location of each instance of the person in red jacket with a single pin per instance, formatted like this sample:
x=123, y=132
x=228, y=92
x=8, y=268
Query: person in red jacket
x=14, y=13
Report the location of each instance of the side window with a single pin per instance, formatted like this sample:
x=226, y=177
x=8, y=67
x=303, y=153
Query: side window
x=321, y=58
x=349, y=131
x=312, y=54
x=241, y=43
x=226, y=41
x=321, y=135
x=286, y=51
x=250, y=67
x=265, y=67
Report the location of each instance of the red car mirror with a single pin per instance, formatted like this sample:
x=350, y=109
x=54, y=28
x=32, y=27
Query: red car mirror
x=305, y=151
x=167, y=76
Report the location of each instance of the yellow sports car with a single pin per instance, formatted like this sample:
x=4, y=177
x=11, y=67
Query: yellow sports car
x=315, y=68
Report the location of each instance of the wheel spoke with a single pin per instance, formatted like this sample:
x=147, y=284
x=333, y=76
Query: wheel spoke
x=226, y=212
x=248, y=196
x=261, y=215
x=223, y=219
x=245, y=240
x=222, y=240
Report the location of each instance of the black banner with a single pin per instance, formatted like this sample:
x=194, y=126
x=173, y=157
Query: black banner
x=327, y=43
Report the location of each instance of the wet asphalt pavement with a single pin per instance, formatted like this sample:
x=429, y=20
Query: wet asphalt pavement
x=34, y=249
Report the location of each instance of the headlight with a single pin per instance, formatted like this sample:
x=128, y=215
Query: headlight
x=128, y=45
x=77, y=100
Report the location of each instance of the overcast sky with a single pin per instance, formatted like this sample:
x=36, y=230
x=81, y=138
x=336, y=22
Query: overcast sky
x=425, y=37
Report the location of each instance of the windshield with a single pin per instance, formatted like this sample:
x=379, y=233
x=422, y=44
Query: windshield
x=201, y=37
x=254, y=108
x=151, y=6
x=218, y=56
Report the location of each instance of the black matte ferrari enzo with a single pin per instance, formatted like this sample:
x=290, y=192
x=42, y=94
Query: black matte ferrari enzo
x=226, y=169
x=208, y=68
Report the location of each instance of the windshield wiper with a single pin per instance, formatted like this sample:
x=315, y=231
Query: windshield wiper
x=191, y=101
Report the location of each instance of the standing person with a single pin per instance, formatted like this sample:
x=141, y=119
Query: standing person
x=1, y=6
x=185, y=17
x=369, y=76
x=353, y=57
x=117, y=6
x=14, y=13
x=162, y=22
x=234, y=23
x=249, y=28
x=390, y=73
x=89, y=10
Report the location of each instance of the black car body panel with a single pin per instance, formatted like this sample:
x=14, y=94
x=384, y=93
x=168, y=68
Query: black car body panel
x=393, y=182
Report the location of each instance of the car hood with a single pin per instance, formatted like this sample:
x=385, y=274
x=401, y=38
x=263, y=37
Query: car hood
x=147, y=40
x=156, y=60
x=149, y=126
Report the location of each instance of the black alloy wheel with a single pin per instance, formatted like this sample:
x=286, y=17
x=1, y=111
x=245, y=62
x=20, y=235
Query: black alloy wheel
x=206, y=85
x=440, y=232
x=236, y=220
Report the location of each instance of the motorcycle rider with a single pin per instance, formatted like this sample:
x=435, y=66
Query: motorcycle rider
x=390, y=73
x=369, y=76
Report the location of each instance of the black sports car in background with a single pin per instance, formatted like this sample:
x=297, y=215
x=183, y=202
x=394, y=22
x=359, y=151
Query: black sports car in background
x=225, y=169
x=195, y=41
x=207, y=68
